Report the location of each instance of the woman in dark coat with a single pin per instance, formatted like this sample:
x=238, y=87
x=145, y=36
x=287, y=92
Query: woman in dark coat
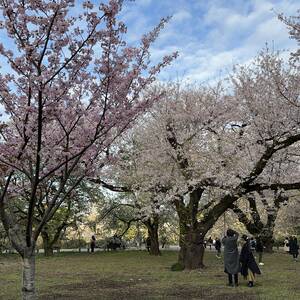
x=294, y=248
x=231, y=256
x=249, y=266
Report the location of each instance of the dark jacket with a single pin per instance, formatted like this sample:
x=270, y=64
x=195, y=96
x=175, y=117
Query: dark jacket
x=247, y=260
x=231, y=254
x=294, y=247
x=218, y=244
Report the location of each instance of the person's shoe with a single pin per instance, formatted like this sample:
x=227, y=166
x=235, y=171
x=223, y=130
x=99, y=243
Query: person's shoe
x=261, y=264
x=230, y=284
x=236, y=284
x=250, y=284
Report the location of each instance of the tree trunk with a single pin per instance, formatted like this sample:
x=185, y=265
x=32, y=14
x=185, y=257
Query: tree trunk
x=269, y=245
x=268, y=241
x=48, y=251
x=191, y=249
x=154, y=244
x=47, y=245
x=191, y=240
x=268, y=232
x=152, y=226
x=28, y=284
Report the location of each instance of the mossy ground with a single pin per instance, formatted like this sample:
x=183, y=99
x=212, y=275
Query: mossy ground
x=136, y=275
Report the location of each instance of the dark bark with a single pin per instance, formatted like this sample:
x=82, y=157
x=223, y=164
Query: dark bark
x=191, y=240
x=192, y=230
x=268, y=242
x=191, y=249
x=268, y=230
x=255, y=225
x=51, y=238
x=47, y=244
x=152, y=226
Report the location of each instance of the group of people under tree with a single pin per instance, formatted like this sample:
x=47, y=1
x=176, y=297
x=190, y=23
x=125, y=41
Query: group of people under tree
x=244, y=262
x=234, y=262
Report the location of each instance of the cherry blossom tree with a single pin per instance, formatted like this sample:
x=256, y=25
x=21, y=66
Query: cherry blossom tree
x=70, y=88
x=130, y=209
x=260, y=211
x=209, y=147
x=145, y=206
x=288, y=219
x=293, y=24
x=259, y=216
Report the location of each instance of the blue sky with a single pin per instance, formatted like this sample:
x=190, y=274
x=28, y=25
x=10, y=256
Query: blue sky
x=211, y=36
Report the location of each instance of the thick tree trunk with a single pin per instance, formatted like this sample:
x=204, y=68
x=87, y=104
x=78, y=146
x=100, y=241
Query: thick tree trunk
x=267, y=232
x=154, y=244
x=267, y=239
x=48, y=251
x=47, y=245
x=269, y=245
x=191, y=249
x=191, y=240
x=28, y=284
x=152, y=226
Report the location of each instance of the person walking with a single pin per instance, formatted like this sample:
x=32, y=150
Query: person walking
x=259, y=250
x=93, y=243
x=231, y=256
x=249, y=266
x=218, y=246
x=294, y=248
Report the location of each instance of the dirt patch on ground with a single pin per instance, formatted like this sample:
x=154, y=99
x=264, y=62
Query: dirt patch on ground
x=98, y=284
x=184, y=292
x=104, y=288
x=136, y=289
x=234, y=296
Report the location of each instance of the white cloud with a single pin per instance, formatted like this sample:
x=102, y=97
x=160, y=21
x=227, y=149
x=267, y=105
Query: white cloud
x=231, y=35
x=181, y=15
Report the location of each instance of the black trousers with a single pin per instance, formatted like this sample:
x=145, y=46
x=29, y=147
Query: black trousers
x=236, y=279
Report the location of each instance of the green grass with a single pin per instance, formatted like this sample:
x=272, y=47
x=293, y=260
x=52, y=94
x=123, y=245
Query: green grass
x=136, y=275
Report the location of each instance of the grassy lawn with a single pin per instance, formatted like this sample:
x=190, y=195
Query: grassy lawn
x=136, y=275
